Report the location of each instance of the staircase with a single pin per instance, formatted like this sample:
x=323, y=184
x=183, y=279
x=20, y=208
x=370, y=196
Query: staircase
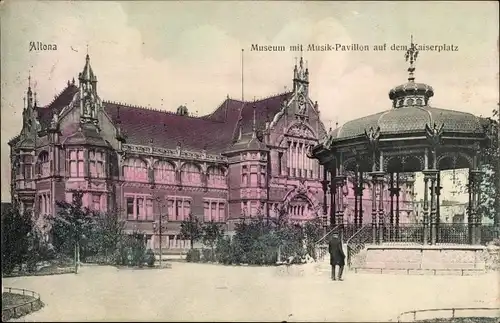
x=354, y=239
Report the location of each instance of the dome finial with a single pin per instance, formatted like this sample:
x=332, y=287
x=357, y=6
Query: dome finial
x=411, y=55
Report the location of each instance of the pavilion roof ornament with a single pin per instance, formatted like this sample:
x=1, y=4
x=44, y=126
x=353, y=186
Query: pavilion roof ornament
x=411, y=56
x=411, y=94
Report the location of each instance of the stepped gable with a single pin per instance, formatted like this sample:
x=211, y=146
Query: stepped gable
x=45, y=114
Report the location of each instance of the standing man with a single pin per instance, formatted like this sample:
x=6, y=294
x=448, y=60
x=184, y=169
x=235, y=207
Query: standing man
x=337, y=255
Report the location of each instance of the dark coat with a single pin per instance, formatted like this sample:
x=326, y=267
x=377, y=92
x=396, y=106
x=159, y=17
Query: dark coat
x=337, y=255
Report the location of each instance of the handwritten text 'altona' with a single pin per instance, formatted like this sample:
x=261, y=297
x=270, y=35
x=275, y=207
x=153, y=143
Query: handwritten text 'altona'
x=351, y=48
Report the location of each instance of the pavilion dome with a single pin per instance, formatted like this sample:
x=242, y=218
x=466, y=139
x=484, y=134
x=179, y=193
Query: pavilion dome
x=410, y=113
x=412, y=119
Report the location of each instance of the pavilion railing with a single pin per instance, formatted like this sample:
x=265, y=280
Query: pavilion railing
x=489, y=232
x=345, y=231
x=453, y=233
x=412, y=233
x=358, y=241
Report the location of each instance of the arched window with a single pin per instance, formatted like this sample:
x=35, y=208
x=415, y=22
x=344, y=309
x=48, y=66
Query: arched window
x=135, y=169
x=216, y=177
x=191, y=175
x=43, y=164
x=164, y=172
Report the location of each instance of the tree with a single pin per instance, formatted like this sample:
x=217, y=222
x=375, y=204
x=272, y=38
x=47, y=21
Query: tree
x=72, y=224
x=211, y=233
x=16, y=231
x=489, y=203
x=191, y=229
x=314, y=231
x=108, y=233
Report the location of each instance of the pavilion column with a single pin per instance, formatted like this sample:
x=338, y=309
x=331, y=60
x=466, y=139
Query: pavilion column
x=374, y=207
x=474, y=221
x=324, y=182
x=341, y=181
x=333, y=193
x=471, y=208
x=433, y=190
x=381, y=213
x=355, y=189
x=478, y=222
x=398, y=191
x=392, y=192
x=360, y=194
x=426, y=209
x=438, y=206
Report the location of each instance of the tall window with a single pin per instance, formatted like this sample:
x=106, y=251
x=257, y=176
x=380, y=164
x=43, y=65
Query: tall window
x=299, y=165
x=244, y=176
x=263, y=175
x=280, y=162
x=253, y=176
x=98, y=202
x=178, y=207
x=76, y=163
x=139, y=207
x=216, y=177
x=135, y=169
x=96, y=163
x=164, y=172
x=44, y=203
x=191, y=175
x=43, y=164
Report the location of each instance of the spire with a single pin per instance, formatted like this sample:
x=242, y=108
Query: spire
x=411, y=55
x=29, y=93
x=254, y=126
x=87, y=75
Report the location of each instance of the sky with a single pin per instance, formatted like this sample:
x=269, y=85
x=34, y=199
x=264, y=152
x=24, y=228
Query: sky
x=165, y=54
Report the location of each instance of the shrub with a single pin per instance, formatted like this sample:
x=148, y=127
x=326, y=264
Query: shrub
x=208, y=255
x=150, y=258
x=193, y=255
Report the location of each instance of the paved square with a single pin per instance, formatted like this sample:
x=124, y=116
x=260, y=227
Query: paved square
x=204, y=292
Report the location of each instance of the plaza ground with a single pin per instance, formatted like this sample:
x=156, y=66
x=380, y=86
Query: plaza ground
x=205, y=292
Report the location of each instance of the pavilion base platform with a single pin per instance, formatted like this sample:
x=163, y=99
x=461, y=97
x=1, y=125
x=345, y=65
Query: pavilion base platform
x=409, y=259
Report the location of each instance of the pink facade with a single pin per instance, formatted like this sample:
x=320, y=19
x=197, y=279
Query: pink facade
x=244, y=159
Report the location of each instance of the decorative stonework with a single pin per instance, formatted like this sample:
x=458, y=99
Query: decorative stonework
x=170, y=153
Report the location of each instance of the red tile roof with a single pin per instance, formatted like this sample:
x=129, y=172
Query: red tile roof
x=214, y=132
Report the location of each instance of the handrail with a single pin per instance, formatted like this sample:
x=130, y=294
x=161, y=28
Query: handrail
x=453, y=310
x=327, y=234
x=355, y=234
x=352, y=251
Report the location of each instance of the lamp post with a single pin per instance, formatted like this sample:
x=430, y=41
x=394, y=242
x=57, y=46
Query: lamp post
x=158, y=225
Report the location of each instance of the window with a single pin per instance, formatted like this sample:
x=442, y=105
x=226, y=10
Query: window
x=298, y=164
x=43, y=164
x=44, y=203
x=222, y=212
x=263, y=175
x=191, y=175
x=96, y=164
x=164, y=172
x=96, y=202
x=76, y=163
x=178, y=207
x=280, y=162
x=216, y=177
x=253, y=176
x=244, y=176
x=135, y=169
x=244, y=209
x=139, y=207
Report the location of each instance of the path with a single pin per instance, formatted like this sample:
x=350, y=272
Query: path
x=190, y=292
